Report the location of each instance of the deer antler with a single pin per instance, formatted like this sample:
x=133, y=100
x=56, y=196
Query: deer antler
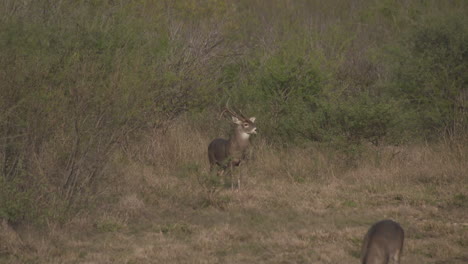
x=226, y=109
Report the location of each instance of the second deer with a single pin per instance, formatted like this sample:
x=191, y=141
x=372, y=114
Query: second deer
x=229, y=153
x=383, y=243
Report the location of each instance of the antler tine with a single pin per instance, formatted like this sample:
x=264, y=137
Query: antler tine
x=224, y=110
x=242, y=115
x=221, y=114
x=233, y=113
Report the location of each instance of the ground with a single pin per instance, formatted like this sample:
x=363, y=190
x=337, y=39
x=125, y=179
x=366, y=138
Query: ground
x=297, y=205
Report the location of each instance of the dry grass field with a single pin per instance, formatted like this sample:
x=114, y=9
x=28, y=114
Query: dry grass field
x=107, y=109
x=298, y=205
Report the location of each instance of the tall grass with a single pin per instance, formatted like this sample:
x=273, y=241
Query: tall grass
x=108, y=105
x=297, y=203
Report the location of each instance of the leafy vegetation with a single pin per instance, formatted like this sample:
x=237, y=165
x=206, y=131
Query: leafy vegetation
x=86, y=86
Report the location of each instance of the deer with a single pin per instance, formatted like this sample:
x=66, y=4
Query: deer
x=383, y=243
x=229, y=153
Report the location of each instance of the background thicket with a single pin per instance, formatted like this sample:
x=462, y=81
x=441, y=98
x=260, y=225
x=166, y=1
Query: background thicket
x=91, y=84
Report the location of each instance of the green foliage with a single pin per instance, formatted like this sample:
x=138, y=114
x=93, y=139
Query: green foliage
x=28, y=198
x=285, y=92
x=79, y=79
x=366, y=119
x=77, y=85
x=107, y=226
x=15, y=205
x=431, y=72
x=188, y=169
x=177, y=229
x=349, y=203
x=460, y=200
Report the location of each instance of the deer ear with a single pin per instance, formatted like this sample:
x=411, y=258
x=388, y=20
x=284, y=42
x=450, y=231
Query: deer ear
x=236, y=120
x=252, y=119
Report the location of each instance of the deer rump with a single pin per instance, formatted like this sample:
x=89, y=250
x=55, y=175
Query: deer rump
x=383, y=243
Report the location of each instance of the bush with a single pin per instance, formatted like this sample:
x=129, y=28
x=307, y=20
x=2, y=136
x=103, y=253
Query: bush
x=366, y=119
x=75, y=87
x=430, y=74
x=79, y=80
x=285, y=91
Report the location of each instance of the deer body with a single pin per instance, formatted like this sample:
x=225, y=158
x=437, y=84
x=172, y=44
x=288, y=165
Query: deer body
x=229, y=153
x=383, y=243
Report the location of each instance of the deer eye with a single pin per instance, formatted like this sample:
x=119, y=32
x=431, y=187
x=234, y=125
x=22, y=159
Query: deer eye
x=246, y=125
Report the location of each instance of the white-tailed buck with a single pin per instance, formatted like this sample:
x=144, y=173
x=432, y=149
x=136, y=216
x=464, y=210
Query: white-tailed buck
x=383, y=243
x=229, y=153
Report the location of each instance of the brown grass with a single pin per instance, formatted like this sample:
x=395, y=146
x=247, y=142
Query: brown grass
x=297, y=205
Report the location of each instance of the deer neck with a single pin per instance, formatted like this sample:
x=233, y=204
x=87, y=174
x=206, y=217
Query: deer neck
x=239, y=139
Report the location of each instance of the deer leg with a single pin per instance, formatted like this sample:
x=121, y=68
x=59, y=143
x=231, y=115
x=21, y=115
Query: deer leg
x=396, y=258
x=232, y=177
x=239, y=177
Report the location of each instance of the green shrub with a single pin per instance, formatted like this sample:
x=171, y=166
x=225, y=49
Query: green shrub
x=80, y=79
x=14, y=203
x=430, y=73
x=76, y=85
x=366, y=119
x=285, y=92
